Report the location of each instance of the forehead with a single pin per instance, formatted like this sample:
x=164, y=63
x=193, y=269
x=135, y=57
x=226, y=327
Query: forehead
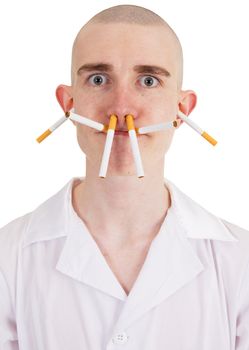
x=121, y=44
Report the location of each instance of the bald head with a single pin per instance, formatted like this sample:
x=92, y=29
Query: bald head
x=132, y=14
x=128, y=14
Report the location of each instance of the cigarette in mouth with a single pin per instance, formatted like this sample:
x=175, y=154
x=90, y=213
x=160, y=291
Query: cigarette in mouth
x=194, y=126
x=52, y=128
x=108, y=146
x=134, y=145
x=156, y=127
x=86, y=121
x=76, y=117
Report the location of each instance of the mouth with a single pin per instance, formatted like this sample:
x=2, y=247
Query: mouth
x=123, y=133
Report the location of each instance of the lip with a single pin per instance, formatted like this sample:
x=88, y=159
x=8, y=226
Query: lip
x=123, y=133
x=120, y=133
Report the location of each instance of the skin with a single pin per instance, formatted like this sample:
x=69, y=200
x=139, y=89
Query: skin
x=123, y=211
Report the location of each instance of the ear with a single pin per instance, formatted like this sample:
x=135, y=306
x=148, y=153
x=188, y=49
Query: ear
x=64, y=97
x=186, y=104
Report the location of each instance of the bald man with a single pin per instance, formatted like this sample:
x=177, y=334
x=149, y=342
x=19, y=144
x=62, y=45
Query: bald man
x=126, y=60
x=123, y=262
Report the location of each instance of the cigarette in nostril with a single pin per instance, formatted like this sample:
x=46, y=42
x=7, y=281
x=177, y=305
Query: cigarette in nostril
x=108, y=146
x=194, y=126
x=134, y=145
x=156, y=127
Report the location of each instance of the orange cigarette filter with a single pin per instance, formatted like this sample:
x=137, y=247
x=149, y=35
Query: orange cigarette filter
x=209, y=138
x=130, y=122
x=44, y=135
x=52, y=128
x=113, y=122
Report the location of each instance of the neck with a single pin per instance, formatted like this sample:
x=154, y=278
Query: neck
x=123, y=209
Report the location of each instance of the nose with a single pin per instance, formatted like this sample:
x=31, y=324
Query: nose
x=121, y=103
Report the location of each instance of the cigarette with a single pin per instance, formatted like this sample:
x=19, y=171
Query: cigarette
x=108, y=146
x=134, y=145
x=76, y=117
x=194, y=126
x=52, y=128
x=86, y=121
x=156, y=127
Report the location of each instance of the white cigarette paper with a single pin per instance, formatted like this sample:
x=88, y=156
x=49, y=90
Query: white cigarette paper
x=108, y=146
x=73, y=116
x=134, y=146
x=194, y=126
x=86, y=121
x=52, y=128
x=190, y=122
x=156, y=127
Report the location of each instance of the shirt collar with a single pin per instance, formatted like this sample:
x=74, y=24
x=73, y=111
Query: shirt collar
x=196, y=221
x=50, y=220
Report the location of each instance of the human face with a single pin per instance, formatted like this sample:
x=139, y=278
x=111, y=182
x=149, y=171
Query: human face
x=123, y=87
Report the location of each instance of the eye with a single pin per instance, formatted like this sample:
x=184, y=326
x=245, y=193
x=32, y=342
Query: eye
x=149, y=81
x=97, y=79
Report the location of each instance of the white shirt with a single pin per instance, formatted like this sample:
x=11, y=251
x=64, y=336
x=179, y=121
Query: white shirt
x=57, y=291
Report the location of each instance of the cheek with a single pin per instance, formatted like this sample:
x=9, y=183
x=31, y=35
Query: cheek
x=157, y=145
x=85, y=101
x=88, y=140
x=161, y=109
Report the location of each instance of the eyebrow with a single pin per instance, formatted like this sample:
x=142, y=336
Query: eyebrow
x=105, y=67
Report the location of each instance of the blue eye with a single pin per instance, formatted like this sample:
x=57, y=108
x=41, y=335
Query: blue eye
x=149, y=81
x=97, y=79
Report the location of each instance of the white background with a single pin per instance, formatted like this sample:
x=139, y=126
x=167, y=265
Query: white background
x=36, y=40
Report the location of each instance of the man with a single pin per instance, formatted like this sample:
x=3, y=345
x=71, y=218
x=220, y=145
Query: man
x=123, y=262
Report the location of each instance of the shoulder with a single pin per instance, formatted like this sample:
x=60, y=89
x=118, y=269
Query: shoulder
x=228, y=241
x=50, y=215
x=242, y=234
x=241, y=246
x=14, y=230
x=11, y=237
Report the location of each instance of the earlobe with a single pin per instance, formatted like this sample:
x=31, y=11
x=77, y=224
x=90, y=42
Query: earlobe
x=64, y=97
